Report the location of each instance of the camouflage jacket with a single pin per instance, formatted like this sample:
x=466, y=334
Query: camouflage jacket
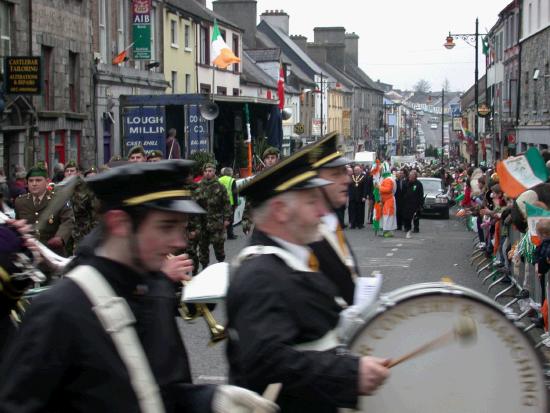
x=215, y=201
x=194, y=221
x=85, y=206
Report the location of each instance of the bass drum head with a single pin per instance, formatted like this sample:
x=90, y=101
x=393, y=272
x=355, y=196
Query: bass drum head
x=498, y=372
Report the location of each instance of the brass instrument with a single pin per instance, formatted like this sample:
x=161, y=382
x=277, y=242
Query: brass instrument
x=217, y=331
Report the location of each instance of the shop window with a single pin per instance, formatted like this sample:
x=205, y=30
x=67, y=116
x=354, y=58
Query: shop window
x=73, y=147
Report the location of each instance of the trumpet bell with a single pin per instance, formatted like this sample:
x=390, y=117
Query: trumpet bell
x=209, y=111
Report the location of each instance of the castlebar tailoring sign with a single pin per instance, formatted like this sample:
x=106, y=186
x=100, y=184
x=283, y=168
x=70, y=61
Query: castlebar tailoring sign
x=144, y=126
x=198, y=128
x=141, y=22
x=23, y=75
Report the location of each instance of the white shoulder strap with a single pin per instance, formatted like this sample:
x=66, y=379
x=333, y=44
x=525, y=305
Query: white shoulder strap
x=284, y=255
x=117, y=319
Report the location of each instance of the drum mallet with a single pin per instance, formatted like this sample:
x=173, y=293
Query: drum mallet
x=465, y=331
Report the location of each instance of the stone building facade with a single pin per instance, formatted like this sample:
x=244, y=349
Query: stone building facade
x=56, y=125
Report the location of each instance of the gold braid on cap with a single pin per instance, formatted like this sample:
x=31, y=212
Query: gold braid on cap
x=296, y=180
x=327, y=159
x=155, y=196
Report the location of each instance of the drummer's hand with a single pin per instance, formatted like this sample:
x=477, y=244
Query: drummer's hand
x=20, y=225
x=178, y=268
x=372, y=373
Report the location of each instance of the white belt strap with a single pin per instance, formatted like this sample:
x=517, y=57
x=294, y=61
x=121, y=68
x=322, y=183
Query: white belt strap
x=117, y=319
x=327, y=342
x=284, y=255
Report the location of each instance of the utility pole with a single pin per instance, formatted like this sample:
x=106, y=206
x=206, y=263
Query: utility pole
x=442, y=123
x=476, y=137
x=322, y=94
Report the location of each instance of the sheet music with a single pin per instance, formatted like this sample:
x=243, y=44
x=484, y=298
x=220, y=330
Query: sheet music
x=367, y=289
x=208, y=286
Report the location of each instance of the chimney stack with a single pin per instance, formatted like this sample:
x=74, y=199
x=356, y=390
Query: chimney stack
x=277, y=18
x=202, y=2
x=332, y=35
x=300, y=40
x=352, y=47
x=241, y=12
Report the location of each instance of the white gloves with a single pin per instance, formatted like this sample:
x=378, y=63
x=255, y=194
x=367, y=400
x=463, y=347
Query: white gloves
x=233, y=399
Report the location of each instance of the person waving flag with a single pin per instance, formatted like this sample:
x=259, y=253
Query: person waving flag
x=220, y=54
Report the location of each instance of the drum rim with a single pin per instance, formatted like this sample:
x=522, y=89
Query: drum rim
x=453, y=290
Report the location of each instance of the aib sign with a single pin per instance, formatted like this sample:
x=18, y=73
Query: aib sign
x=144, y=126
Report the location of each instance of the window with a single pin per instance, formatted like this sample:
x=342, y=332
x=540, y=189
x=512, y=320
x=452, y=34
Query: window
x=5, y=30
x=236, y=92
x=74, y=89
x=204, y=88
x=103, y=30
x=530, y=19
x=204, y=45
x=539, y=12
x=186, y=38
x=47, y=61
x=73, y=146
x=174, y=81
x=236, y=52
x=224, y=35
x=174, y=32
x=121, y=23
x=187, y=83
x=221, y=90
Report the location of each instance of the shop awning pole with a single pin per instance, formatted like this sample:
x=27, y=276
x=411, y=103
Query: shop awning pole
x=248, y=138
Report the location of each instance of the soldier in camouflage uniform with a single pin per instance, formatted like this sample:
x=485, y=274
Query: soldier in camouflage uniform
x=215, y=201
x=270, y=157
x=85, y=206
x=193, y=226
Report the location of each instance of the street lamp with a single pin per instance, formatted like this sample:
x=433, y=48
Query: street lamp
x=449, y=44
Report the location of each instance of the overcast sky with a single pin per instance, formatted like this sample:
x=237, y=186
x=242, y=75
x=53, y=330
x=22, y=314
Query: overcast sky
x=401, y=41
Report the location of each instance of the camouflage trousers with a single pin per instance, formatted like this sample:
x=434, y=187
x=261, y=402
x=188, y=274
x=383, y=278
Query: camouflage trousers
x=192, y=252
x=217, y=239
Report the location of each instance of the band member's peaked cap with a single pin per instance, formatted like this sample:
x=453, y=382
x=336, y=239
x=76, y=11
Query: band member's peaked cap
x=157, y=185
x=293, y=173
x=329, y=155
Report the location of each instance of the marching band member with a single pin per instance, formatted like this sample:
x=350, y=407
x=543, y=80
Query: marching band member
x=281, y=312
x=336, y=259
x=104, y=338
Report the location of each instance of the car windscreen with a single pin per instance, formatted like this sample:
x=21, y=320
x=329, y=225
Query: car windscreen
x=431, y=186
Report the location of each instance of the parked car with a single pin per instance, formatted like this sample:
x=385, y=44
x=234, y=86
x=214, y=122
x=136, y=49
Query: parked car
x=433, y=126
x=436, y=200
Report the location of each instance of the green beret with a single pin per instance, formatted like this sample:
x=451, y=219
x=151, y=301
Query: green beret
x=270, y=151
x=208, y=165
x=92, y=170
x=155, y=154
x=71, y=164
x=37, y=171
x=136, y=149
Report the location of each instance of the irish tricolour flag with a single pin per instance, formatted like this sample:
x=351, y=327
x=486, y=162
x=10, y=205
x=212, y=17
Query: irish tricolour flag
x=220, y=54
x=519, y=173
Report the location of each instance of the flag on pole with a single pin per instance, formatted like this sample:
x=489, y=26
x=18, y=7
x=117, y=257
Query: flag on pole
x=281, y=87
x=122, y=56
x=520, y=173
x=220, y=54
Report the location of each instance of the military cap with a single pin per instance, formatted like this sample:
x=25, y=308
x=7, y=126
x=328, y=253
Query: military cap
x=270, y=151
x=71, y=164
x=156, y=185
x=136, y=149
x=328, y=153
x=293, y=173
x=208, y=165
x=37, y=170
x=155, y=154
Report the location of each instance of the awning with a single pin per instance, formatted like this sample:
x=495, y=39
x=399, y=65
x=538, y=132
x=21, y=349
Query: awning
x=244, y=99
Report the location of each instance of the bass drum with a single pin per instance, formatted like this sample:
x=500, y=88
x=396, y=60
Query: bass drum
x=500, y=372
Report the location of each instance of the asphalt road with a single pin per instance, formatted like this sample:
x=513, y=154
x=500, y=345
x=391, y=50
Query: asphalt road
x=441, y=249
